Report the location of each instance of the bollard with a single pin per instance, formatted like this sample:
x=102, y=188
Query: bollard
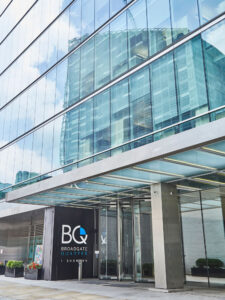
x=80, y=267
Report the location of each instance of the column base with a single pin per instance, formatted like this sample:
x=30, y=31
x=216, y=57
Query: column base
x=169, y=290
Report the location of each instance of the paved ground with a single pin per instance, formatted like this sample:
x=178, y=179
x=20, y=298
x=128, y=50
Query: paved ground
x=20, y=288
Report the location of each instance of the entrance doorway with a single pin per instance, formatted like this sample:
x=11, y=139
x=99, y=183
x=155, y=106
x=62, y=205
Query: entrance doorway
x=125, y=241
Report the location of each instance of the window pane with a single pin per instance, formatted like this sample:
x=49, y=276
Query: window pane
x=118, y=38
x=184, y=17
x=87, y=68
x=87, y=18
x=137, y=33
x=116, y=5
x=69, y=137
x=102, y=75
x=37, y=151
x=73, y=79
x=46, y=162
x=213, y=43
x=61, y=80
x=50, y=94
x=164, y=104
x=210, y=9
x=159, y=25
x=101, y=122
x=190, y=79
x=86, y=129
x=101, y=12
x=75, y=24
x=58, y=127
x=140, y=107
x=63, y=34
x=120, y=127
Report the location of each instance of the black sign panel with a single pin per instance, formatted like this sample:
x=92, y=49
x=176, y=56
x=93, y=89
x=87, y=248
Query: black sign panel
x=73, y=241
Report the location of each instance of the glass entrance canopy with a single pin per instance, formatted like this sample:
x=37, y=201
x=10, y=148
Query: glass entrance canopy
x=193, y=170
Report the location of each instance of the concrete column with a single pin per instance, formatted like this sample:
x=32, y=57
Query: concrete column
x=167, y=241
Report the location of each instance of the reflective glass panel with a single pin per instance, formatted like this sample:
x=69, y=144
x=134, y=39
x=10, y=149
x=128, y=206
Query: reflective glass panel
x=140, y=106
x=102, y=57
x=190, y=79
x=73, y=78
x=164, y=103
x=102, y=122
x=210, y=9
x=101, y=12
x=118, y=45
x=120, y=123
x=86, y=129
x=87, y=68
x=137, y=33
x=159, y=25
x=214, y=50
x=185, y=17
x=87, y=26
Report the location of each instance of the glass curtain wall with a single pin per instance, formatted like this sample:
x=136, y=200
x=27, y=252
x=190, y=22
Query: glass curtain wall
x=141, y=31
x=181, y=84
x=203, y=224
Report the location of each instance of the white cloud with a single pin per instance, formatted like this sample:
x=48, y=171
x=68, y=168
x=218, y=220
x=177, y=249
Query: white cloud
x=26, y=160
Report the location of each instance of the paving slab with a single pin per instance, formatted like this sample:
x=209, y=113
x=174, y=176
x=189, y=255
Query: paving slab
x=22, y=289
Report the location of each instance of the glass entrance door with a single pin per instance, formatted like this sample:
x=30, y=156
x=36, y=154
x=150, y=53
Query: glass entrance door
x=127, y=241
x=126, y=250
x=108, y=242
x=143, y=247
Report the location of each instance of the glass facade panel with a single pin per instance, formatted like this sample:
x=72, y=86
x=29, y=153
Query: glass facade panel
x=159, y=25
x=140, y=105
x=214, y=52
x=185, y=17
x=120, y=122
x=210, y=9
x=59, y=125
x=88, y=22
x=101, y=12
x=164, y=103
x=69, y=138
x=86, y=129
x=102, y=122
x=75, y=24
x=191, y=84
x=137, y=33
x=116, y=6
x=87, y=69
x=118, y=45
x=61, y=84
x=102, y=58
x=73, y=79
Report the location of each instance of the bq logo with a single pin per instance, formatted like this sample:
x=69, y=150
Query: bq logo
x=78, y=235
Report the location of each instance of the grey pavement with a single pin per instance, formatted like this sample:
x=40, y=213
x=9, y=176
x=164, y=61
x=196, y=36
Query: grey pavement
x=19, y=288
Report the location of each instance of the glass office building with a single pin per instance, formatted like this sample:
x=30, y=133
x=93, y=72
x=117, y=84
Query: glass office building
x=118, y=106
